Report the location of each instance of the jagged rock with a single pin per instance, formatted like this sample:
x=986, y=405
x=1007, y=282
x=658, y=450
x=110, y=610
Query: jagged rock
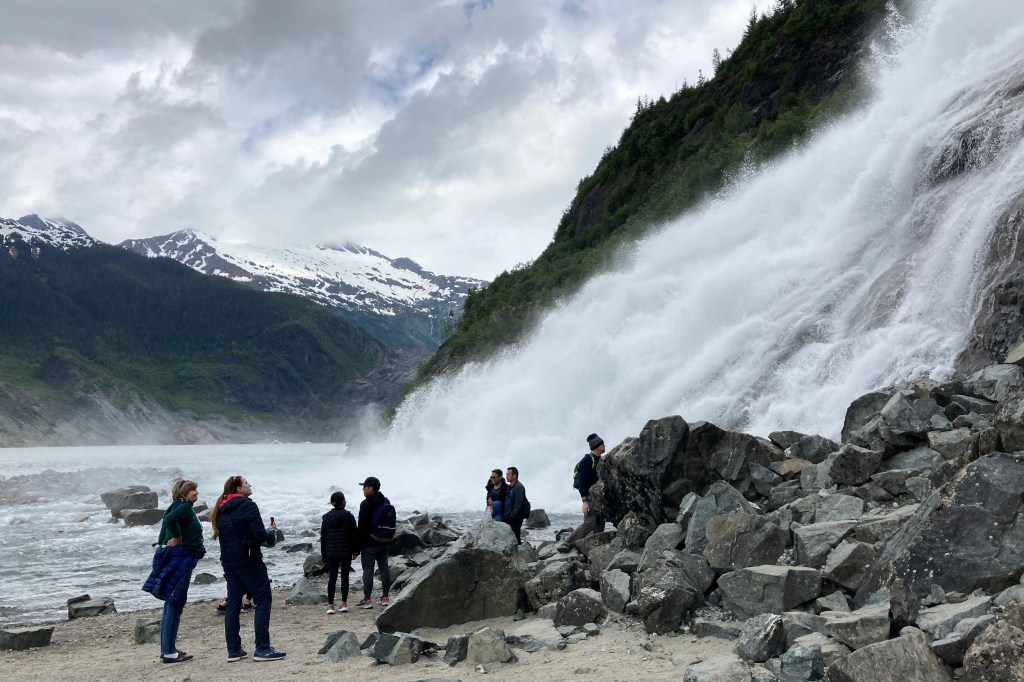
x=939, y=621
x=857, y=629
x=487, y=645
x=917, y=459
x=432, y=536
x=835, y=601
x=305, y=593
x=419, y=519
x=904, y=606
x=721, y=498
x=812, y=448
x=907, y=658
x=456, y=649
x=19, y=639
x=204, y=579
x=831, y=650
x=801, y=662
x=1009, y=424
x=908, y=417
x=399, y=648
x=579, y=607
x=87, y=607
x=634, y=533
x=862, y=411
x=554, y=582
x=740, y=540
x=129, y=497
x=594, y=540
x=616, y=590
x=768, y=589
x=837, y=508
x=875, y=529
x=407, y=538
x=142, y=517
x=313, y=565
x=536, y=635
x=784, y=439
x=761, y=638
x=966, y=536
x=538, y=519
x=854, y=465
x=895, y=480
x=341, y=646
x=707, y=627
x=952, y=445
x=996, y=383
x=953, y=647
x=996, y=655
x=673, y=585
x=847, y=564
x=146, y=631
x=602, y=555
x=818, y=476
x=478, y=577
x=762, y=478
x=625, y=561
x=797, y=624
x=813, y=542
x=784, y=494
x=725, y=668
x=666, y=536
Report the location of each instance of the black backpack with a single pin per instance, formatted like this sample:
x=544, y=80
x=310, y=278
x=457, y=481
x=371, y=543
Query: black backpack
x=383, y=522
x=576, y=469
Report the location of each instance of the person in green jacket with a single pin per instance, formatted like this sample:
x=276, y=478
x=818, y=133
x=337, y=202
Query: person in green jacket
x=180, y=528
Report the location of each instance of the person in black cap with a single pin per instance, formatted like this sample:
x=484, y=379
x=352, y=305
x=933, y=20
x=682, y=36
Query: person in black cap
x=586, y=476
x=373, y=552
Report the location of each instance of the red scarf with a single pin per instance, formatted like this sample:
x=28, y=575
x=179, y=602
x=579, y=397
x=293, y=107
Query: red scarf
x=228, y=498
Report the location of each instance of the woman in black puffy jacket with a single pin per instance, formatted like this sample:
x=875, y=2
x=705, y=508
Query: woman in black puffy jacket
x=337, y=547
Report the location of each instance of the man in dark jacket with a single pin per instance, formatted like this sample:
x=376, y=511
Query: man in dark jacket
x=516, y=504
x=585, y=478
x=237, y=523
x=373, y=552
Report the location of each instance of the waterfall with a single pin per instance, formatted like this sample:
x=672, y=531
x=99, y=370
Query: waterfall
x=853, y=263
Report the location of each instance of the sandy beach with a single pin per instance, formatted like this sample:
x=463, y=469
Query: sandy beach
x=103, y=648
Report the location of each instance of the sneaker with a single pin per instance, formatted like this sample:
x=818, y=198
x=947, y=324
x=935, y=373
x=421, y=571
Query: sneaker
x=268, y=654
x=330, y=609
x=365, y=604
x=180, y=658
x=236, y=655
x=384, y=602
x=247, y=608
x=344, y=608
x=222, y=609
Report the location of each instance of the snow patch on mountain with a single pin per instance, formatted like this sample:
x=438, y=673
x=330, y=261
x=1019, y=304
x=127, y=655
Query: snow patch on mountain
x=35, y=231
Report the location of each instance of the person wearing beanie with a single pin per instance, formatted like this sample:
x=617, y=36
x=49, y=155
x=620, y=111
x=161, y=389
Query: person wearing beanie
x=586, y=477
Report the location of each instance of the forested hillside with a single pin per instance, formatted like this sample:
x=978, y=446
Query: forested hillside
x=795, y=67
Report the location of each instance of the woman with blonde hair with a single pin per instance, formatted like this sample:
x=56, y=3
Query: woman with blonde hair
x=181, y=548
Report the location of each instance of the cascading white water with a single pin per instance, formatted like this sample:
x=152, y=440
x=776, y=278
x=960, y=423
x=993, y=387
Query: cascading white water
x=845, y=267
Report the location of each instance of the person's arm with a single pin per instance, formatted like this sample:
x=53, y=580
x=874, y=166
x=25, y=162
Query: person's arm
x=323, y=537
x=172, y=526
x=587, y=479
x=260, y=533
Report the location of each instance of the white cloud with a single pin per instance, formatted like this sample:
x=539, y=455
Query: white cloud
x=450, y=132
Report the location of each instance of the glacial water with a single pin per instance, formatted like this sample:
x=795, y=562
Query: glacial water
x=849, y=265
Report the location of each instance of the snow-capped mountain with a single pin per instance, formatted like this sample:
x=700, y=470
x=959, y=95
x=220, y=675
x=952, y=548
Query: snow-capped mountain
x=395, y=299
x=33, y=230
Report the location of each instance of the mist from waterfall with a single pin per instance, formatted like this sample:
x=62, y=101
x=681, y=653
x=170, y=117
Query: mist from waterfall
x=849, y=265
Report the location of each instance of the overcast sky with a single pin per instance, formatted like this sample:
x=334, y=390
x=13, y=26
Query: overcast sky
x=450, y=132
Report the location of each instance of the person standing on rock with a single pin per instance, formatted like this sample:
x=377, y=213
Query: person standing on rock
x=587, y=476
x=374, y=536
x=239, y=527
x=182, y=534
x=517, y=507
x=337, y=547
x=497, y=490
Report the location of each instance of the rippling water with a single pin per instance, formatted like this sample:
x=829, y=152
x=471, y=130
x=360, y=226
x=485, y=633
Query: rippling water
x=48, y=555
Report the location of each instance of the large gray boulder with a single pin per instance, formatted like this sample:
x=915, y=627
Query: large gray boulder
x=726, y=668
x=862, y=411
x=939, y=621
x=768, y=589
x=967, y=535
x=953, y=647
x=996, y=655
x=860, y=628
x=1009, y=422
x=761, y=638
x=721, y=498
x=87, y=607
x=674, y=585
x=341, y=646
x=146, y=631
x=305, y=593
x=847, y=564
x=741, y=540
x=20, y=639
x=853, y=465
x=666, y=536
x=478, y=577
x=580, y=607
x=616, y=590
x=908, y=658
x=487, y=646
x=129, y=497
x=907, y=418
x=555, y=581
x=814, y=541
x=142, y=517
x=996, y=383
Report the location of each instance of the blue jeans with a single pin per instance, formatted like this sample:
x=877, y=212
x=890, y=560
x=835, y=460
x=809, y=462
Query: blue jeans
x=251, y=578
x=375, y=555
x=497, y=507
x=169, y=628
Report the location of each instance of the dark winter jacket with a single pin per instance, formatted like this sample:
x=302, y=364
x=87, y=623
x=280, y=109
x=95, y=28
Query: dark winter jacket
x=366, y=508
x=242, y=532
x=515, y=502
x=587, y=475
x=496, y=494
x=338, y=534
x=180, y=521
x=172, y=573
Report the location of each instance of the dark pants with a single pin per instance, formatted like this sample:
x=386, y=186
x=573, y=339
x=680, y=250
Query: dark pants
x=592, y=523
x=169, y=628
x=334, y=564
x=375, y=555
x=251, y=578
x=517, y=527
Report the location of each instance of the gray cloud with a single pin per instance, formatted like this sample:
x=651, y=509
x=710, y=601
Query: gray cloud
x=450, y=132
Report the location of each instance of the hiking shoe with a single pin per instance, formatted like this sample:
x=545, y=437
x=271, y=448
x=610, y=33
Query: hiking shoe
x=180, y=658
x=344, y=608
x=330, y=609
x=222, y=609
x=384, y=602
x=365, y=604
x=268, y=654
x=247, y=608
x=236, y=655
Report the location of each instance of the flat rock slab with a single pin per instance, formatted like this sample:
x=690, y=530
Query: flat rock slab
x=907, y=658
x=20, y=639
